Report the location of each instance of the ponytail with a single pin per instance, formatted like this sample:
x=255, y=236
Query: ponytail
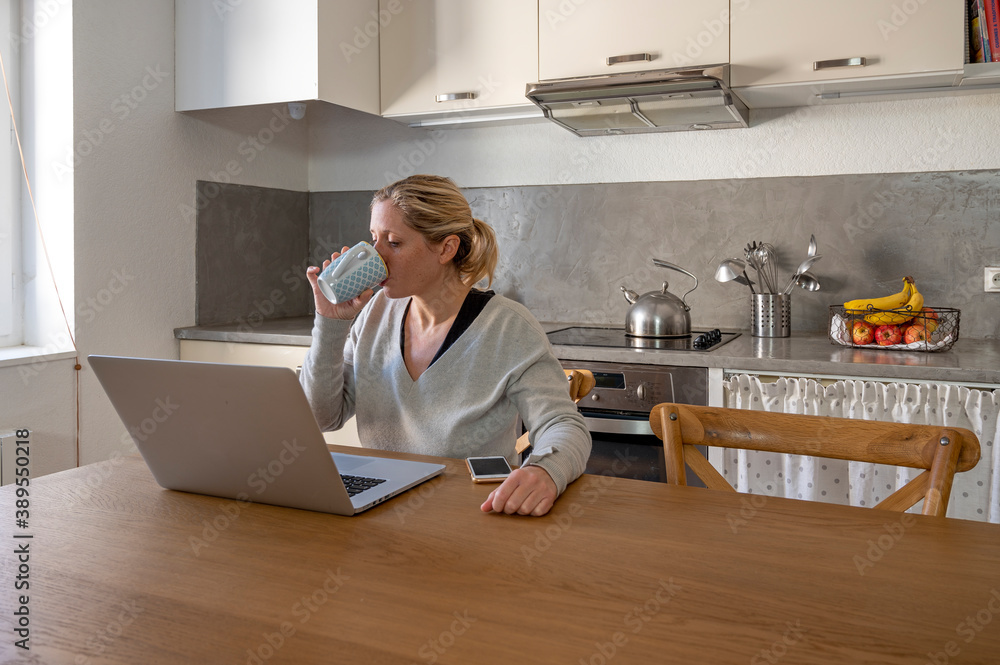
x=436, y=208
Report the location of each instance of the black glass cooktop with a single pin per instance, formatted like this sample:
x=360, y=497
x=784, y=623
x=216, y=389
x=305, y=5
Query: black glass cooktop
x=698, y=340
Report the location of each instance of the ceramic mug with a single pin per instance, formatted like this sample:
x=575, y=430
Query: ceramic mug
x=351, y=273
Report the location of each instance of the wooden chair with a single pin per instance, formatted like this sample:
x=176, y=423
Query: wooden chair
x=940, y=451
x=581, y=382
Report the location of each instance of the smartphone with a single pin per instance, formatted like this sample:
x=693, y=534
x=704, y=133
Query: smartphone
x=488, y=469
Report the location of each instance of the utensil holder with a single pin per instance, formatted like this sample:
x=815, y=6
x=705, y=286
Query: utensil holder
x=771, y=315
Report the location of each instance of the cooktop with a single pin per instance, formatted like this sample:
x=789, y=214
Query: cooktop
x=698, y=340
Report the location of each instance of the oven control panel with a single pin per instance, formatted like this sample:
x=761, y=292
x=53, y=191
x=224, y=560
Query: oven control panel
x=638, y=388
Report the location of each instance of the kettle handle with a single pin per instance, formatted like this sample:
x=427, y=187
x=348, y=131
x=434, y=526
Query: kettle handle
x=666, y=264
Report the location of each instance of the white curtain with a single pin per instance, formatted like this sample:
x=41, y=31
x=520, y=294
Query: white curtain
x=975, y=494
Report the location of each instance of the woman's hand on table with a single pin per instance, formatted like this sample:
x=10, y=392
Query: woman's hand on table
x=342, y=310
x=529, y=490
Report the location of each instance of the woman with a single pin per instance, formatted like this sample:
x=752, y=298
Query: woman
x=431, y=365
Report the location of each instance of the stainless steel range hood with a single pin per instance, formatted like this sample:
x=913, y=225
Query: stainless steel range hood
x=662, y=100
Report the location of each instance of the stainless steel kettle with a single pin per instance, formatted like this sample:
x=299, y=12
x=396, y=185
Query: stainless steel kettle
x=659, y=313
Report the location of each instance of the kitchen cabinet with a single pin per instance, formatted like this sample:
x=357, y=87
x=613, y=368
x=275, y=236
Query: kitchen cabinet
x=459, y=60
x=268, y=51
x=603, y=37
x=793, y=53
x=269, y=355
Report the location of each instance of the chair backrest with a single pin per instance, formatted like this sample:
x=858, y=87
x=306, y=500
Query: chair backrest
x=581, y=382
x=940, y=451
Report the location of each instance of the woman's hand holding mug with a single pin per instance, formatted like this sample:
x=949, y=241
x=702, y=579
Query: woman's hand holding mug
x=343, y=286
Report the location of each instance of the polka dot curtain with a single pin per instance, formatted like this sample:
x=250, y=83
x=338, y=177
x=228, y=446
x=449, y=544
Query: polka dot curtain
x=975, y=494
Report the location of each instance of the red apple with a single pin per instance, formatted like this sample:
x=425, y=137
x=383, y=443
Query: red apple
x=862, y=332
x=916, y=333
x=929, y=318
x=887, y=335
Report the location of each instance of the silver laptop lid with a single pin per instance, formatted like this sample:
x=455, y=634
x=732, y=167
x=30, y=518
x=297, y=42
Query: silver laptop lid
x=235, y=431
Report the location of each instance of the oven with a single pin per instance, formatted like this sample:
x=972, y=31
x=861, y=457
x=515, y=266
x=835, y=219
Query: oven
x=617, y=409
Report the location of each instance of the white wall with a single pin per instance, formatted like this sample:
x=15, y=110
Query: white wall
x=134, y=222
x=350, y=150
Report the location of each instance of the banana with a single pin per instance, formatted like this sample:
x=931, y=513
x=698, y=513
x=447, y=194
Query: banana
x=900, y=314
x=895, y=301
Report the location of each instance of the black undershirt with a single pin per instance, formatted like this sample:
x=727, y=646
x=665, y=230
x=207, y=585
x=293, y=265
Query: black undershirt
x=475, y=302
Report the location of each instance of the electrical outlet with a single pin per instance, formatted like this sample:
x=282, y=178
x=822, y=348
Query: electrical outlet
x=992, y=280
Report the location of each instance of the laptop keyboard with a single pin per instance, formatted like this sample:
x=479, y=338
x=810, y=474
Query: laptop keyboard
x=358, y=484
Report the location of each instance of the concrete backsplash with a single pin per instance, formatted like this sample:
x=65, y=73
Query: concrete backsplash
x=567, y=249
x=250, y=246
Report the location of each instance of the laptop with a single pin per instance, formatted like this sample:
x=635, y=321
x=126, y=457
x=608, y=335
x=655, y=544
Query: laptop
x=243, y=432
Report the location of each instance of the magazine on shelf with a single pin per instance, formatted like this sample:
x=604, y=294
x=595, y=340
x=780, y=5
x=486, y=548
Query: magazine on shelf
x=979, y=48
x=992, y=25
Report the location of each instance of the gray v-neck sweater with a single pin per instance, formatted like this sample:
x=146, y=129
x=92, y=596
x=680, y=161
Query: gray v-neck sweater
x=465, y=404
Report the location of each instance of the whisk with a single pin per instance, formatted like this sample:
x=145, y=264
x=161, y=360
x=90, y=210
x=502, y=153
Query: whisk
x=761, y=258
x=768, y=266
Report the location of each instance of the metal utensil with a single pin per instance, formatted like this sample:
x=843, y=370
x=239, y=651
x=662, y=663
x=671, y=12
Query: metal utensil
x=765, y=258
x=803, y=267
x=733, y=270
x=755, y=254
x=808, y=281
x=812, y=246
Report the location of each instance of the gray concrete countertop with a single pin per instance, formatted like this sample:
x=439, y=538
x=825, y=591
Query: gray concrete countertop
x=969, y=361
x=294, y=331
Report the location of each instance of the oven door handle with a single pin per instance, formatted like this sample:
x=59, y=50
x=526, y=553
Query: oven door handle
x=638, y=426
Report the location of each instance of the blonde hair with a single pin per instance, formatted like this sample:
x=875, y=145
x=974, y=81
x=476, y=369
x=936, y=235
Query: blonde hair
x=435, y=207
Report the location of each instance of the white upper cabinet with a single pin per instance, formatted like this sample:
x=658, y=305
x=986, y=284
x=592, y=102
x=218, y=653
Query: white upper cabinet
x=272, y=51
x=455, y=57
x=577, y=38
x=800, y=50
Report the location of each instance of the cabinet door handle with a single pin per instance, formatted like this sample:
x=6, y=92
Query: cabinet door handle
x=453, y=96
x=631, y=57
x=843, y=62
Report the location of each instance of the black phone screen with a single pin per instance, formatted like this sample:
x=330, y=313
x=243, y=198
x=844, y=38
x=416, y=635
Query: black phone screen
x=489, y=466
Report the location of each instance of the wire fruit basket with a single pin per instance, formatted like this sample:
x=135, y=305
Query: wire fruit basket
x=929, y=330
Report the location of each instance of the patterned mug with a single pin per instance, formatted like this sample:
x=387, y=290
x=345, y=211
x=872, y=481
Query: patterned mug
x=351, y=273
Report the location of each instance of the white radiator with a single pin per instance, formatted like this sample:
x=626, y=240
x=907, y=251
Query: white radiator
x=8, y=450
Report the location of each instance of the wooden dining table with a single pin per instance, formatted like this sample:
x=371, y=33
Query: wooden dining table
x=117, y=570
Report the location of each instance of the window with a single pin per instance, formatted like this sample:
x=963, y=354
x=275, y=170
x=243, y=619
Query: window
x=10, y=190
x=36, y=37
